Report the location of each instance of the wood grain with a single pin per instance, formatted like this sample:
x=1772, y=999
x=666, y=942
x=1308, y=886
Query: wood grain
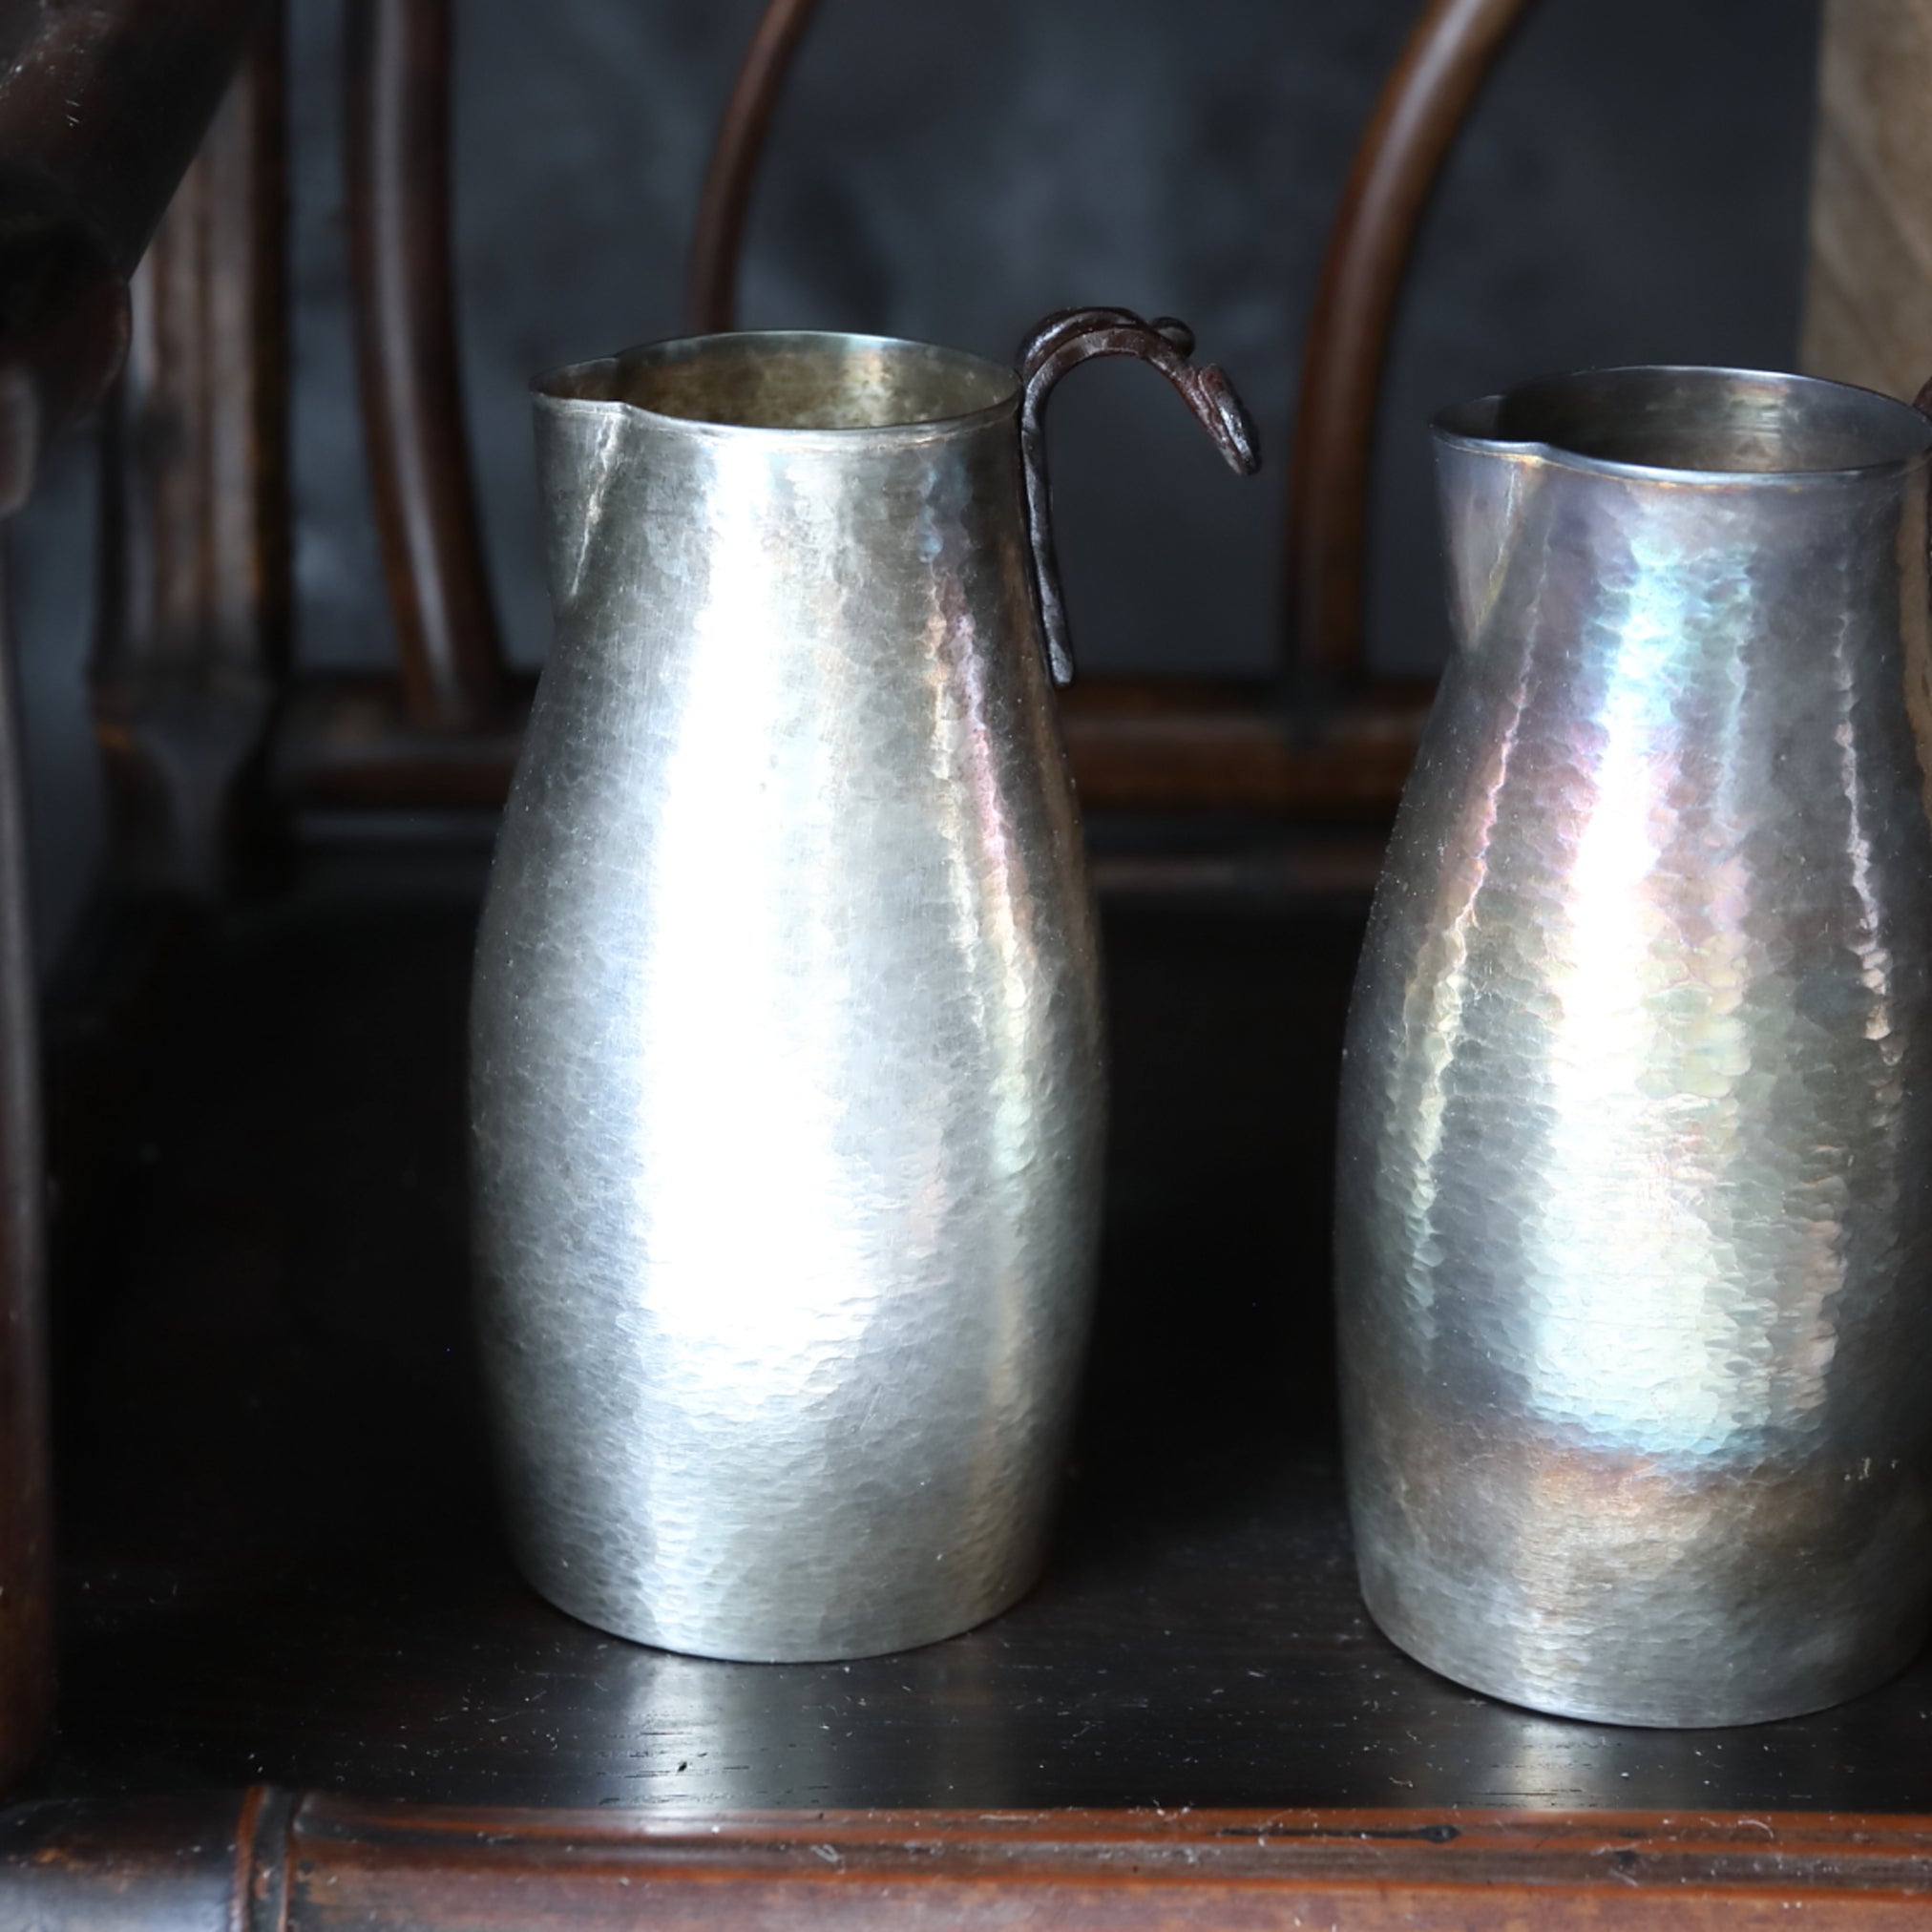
x=263, y=1861
x=1868, y=293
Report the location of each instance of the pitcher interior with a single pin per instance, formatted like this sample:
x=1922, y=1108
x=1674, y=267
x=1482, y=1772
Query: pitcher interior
x=1701, y=420
x=794, y=380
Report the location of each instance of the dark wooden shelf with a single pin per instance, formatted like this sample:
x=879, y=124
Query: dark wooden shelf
x=1176, y=1657
x=281, y=1562
x=282, y=1570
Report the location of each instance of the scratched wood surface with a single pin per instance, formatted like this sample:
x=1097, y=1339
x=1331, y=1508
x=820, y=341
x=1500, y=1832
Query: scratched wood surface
x=266, y=1859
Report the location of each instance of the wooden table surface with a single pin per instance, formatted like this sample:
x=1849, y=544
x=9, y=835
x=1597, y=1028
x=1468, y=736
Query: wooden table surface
x=281, y=1556
x=282, y=1566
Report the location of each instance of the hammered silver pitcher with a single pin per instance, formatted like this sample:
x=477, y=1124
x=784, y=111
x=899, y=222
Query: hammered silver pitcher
x=1635, y=1166
x=788, y=1074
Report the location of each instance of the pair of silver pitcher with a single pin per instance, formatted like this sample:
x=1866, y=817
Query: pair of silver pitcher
x=788, y=1061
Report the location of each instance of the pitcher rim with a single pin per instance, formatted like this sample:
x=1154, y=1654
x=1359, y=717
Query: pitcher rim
x=666, y=349
x=1443, y=427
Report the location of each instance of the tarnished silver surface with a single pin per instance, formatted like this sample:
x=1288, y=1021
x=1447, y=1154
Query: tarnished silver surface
x=787, y=1079
x=1634, y=1236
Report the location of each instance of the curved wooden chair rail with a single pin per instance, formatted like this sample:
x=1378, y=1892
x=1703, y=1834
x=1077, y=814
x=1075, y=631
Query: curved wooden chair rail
x=396, y=150
x=1422, y=106
x=1134, y=744
x=1424, y=103
x=406, y=316
x=711, y=286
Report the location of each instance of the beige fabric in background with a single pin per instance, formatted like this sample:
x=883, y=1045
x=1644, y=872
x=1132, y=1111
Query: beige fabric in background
x=1868, y=292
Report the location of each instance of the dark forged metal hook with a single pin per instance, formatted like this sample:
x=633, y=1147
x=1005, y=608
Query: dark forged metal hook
x=1062, y=341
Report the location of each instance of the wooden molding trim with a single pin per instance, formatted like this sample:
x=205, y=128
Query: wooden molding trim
x=264, y=1858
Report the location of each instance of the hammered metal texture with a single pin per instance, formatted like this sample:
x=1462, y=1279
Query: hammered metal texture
x=788, y=1073
x=1635, y=1251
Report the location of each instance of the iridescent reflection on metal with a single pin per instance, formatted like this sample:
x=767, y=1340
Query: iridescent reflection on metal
x=1634, y=1234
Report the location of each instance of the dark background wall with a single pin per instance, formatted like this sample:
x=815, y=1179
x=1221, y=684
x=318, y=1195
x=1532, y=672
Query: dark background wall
x=1631, y=188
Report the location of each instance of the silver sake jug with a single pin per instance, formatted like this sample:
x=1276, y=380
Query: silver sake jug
x=1634, y=1241
x=788, y=1074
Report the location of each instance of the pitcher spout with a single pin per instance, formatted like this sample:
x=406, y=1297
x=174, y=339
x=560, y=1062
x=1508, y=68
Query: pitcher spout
x=1671, y=446
x=580, y=461
x=1485, y=482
